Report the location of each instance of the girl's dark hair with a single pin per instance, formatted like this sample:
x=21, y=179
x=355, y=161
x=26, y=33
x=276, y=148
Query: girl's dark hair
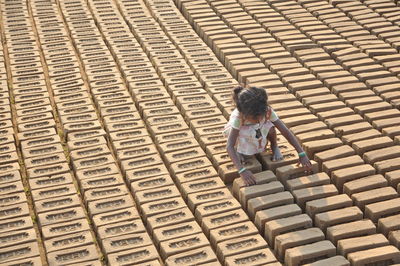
x=250, y=101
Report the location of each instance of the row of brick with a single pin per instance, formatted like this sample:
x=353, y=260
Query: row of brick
x=110, y=204
x=314, y=147
x=52, y=186
x=21, y=244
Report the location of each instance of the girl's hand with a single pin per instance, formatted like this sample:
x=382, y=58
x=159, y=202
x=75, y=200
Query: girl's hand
x=305, y=162
x=248, y=178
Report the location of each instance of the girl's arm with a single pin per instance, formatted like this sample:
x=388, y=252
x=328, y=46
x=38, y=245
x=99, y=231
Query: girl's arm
x=230, y=147
x=294, y=142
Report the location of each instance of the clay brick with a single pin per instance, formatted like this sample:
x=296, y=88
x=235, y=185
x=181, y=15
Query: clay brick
x=59, y=216
x=372, y=144
x=108, y=204
x=201, y=185
x=327, y=204
x=156, y=194
x=69, y=241
x=17, y=237
x=18, y=253
x=216, y=207
x=335, y=260
x=341, y=176
x=364, y=184
x=381, y=154
x=86, y=134
x=261, y=178
x=285, y=225
x=316, y=146
x=296, y=239
x=178, y=145
x=8, y=177
x=378, y=210
x=9, y=158
x=191, y=164
x=100, y=193
x=131, y=143
x=72, y=255
x=387, y=165
x=158, y=207
x=223, y=219
x=304, y=195
x=350, y=230
x=308, y=181
x=232, y=232
x=202, y=255
x=97, y=150
x=182, y=244
x=263, y=256
x=358, y=136
x=309, y=252
x=288, y=172
x=119, y=228
x=386, y=254
x=274, y=213
x=126, y=134
x=50, y=204
x=86, y=143
x=269, y=201
x=138, y=255
x=146, y=172
x=101, y=182
x=330, y=218
x=184, y=154
x=350, y=245
x=153, y=182
x=92, y=172
x=115, y=216
x=258, y=191
x=125, y=242
x=332, y=165
x=174, y=231
x=387, y=224
x=394, y=238
x=362, y=199
x=53, y=191
x=240, y=245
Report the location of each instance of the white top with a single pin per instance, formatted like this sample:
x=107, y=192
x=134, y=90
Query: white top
x=247, y=142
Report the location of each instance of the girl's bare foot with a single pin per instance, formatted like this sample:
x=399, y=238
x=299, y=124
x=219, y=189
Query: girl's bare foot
x=276, y=154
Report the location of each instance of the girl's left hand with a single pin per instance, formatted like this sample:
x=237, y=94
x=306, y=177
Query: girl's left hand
x=305, y=162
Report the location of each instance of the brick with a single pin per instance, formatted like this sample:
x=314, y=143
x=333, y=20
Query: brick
x=292, y=171
x=386, y=254
x=274, y=213
x=391, y=131
x=263, y=256
x=393, y=177
x=53, y=191
x=18, y=253
x=145, y=172
x=394, y=238
x=294, y=239
x=174, y=231
x=158, y=207
x=350, y=245
x=86, y=143
x=100, y=193
x=330, y=218
x=223, y=219
x=341, y=176
x=126, y=134
x=156, y=194
x=120, y=227
x=50, y=204
x=131, y=143
x=387, y=224
x=201, y=185
x=69, y=241
x=387, y=165
x=216, y=207
x=59, y=216
x=72, y=255
x=191, y=164
x=308, y=181
x=362, y=199
x=202, y=255
x=261, y=178
x=269, y=201
x=138, y=255
x=364, y=184
x=381, y=154
x=332, y=165
x=153, y=182
x=359, y=136
x=115, y=217
x=347, y=230
x=17, y=237
x=302, y=196
x=110, y=203
x=8, y=177
x=310, y=252
x=335, y=260
x=257, y=191
x=125, y=242
x=182, y=244
x=101, y=182
x=375, y=211
x=94, y=151
x=144, y=161
x=372, y=144
x=285, y=225
x=316, y=146
x=92, y=172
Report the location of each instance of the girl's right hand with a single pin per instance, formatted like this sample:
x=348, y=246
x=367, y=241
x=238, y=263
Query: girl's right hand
x=248, y=178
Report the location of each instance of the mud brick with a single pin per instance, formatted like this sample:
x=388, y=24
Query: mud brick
x=143, y=161
x=288, y=172
x=146, y=172
x=56, y=230
x=178, y=145
x=131, y=143
x=156, y=194
x=201, y=255
x=45, y=160
x=348, y=246
x=364, y=184
x=269, y=201
x=17, y=237
x=387, y=254
x=316, y=146
x=74, y=104
x=115, y=216
x=289, y=157
x=204, y=131
x=381, y=154
x=304, y=195
x=393, y=177
x=362, y=199
x=240, y=245
x=88, y=152
x=92, y=172
x=309, y=252
x=182, y=244
x=102, y=99
x=394, y=238
x=387, y=165
x=108, y=204
x=69, y=241
x=198, y=198
x=308, y=181
x=187, y=165
x=216, y=207
x=8, y=177
x=78, y=118
x=284, y=225
x=157, y=112
x=86, y=134
x=231, y=232
x=99, y=193
x=266, y=215
x=335, y=153
x=175, y=230
x=341, y=176
x=253, y=196
x=118, y=228
x=9, y=158
x=21, y=98
x=388, y=224
x=330, y=218
x=127, y=134
x=214, y=149
x=201, y=185
x=93, y=161
x=114, y=102
x=7, y=148
x=346, y=230
x=36, y=125
x=335, y=260
x=138, y=255
x=53, y=191
x=154, y=208
x=332, y=165
x=42, y=141
x=383, y=208
x=263, y=256
x=15, y=254
x=152, y=182
x=60, y=216
x=223, y=219
x=359, y=136
x=228, y=171
x=183, y=154
x=73, y=255
x=9, y=167
x=129, y=241
x=166, y=119
x=317, y=135
x=137, y=152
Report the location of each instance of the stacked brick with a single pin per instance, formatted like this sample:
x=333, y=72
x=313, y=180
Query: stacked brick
x=324, y=143
x=21, y=243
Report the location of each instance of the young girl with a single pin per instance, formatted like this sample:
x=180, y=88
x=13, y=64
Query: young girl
x=251, y=125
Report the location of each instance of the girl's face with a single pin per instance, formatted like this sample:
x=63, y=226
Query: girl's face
x=254, y=119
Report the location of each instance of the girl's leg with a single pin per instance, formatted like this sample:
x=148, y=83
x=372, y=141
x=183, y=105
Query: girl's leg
x=276, y=153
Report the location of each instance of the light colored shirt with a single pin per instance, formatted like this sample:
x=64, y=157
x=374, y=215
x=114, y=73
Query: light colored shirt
x=247, y=142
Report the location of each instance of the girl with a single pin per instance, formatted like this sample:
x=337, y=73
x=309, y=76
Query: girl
x=251, y=125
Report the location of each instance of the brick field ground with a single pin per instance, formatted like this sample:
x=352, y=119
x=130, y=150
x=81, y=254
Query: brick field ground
x=111, y=150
